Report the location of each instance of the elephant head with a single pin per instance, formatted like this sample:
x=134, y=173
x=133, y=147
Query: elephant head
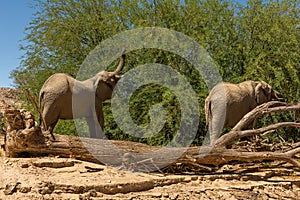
x=265, y=93
x=63, y=97
x=106, y=81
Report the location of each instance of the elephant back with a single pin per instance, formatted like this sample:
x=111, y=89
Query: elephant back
x=55, y=87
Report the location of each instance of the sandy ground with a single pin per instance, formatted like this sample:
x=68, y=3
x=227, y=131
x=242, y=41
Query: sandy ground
x=66, y=178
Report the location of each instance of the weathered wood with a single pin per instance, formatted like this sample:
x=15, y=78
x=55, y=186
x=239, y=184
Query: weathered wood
x=234, y=135
x=26, y=138
x=263, y=109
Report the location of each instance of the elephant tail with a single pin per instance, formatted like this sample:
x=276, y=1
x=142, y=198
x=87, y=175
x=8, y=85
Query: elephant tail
x=41, y=97
x=207, y=110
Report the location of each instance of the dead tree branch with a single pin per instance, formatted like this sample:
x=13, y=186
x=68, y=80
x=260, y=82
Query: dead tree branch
x=266, y=108
x=234, y=135
x=36, y=105
x=34, y=141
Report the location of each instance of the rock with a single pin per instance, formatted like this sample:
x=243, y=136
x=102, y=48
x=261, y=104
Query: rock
x=54, y=164
x=93, y=193
x=46, y=188
x=11, y=188
x=25, y=165
x=174, y=196
x=24, y=189
x=156, y=195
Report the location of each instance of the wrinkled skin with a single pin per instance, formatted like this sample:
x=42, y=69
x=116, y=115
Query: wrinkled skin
x=61, y=92
x=227, y=103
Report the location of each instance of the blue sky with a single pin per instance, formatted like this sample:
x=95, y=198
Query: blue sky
x=15, y=15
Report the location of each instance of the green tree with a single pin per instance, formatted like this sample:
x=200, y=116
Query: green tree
x=257, y=41
x=269, y=41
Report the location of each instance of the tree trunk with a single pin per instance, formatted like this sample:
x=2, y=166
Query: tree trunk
x=24, y=138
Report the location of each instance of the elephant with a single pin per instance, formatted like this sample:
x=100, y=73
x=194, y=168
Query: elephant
x=227, y=103
x=64, y=97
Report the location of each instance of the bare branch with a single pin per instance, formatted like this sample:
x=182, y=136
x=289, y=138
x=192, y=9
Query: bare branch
x=230, y=137
x=266, y=108
x=37, y=107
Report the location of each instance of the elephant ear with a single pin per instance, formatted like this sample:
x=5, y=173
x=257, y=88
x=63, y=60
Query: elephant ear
x=262, y=93
x=98, y=79
x=102, y=76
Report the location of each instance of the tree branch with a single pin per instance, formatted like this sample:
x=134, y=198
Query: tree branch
x=140, y=157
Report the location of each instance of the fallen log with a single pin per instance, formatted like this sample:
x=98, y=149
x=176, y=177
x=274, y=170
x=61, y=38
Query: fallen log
x=25, y=138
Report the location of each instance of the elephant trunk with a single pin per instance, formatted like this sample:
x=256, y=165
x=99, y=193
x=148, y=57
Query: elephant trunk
x=121, y=64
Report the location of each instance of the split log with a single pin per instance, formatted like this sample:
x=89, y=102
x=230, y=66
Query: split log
x=24, y=137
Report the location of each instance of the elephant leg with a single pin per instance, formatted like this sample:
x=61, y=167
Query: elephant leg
x=91, y=123
x=250, y=126
x=207, y=138
x=211, y=137
x=215, y=130
x=99, y=120
x=217, y=121
x=95, y=126
x=254, y=123
x=50, y=122
x=51, y=126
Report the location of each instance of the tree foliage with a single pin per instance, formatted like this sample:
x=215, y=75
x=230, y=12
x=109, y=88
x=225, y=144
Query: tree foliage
x=257, y=41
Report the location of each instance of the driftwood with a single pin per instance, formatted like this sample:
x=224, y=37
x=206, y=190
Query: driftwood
x=37, y=107
x=25, y=138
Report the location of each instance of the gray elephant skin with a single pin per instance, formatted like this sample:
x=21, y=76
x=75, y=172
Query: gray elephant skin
x=63, y=97
x=227, y=103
